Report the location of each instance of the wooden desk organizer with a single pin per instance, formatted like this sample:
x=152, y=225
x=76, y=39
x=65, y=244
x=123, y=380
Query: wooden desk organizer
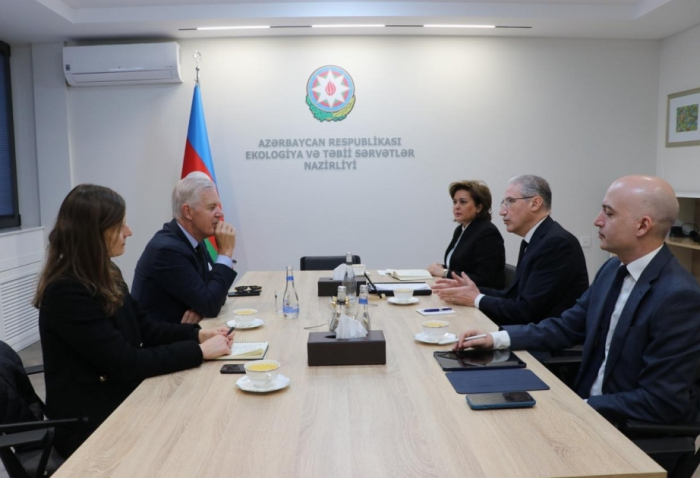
x=324, y=349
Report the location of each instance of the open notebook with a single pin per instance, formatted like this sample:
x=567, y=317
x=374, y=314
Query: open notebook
x=246, y=351
x=410, y=274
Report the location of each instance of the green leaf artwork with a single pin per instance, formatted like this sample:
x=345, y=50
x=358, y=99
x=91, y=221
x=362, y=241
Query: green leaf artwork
x=687, y=118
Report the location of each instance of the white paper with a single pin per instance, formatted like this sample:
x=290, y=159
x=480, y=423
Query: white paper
x=349, y=328
x=398, y=285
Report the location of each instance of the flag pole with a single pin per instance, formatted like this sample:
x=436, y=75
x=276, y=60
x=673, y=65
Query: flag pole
x=197, y=58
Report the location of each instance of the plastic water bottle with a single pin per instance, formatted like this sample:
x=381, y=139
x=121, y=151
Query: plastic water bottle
x=290, y=300
x=350, y=283
x=363, y=309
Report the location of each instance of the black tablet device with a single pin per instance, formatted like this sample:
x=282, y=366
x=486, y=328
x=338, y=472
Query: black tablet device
x=477, y=360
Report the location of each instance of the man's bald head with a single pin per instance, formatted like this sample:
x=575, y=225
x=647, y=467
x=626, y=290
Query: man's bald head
x=649, y=196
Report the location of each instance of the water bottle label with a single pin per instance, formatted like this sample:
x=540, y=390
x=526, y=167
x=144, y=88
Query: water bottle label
x=290, y=310
x=363, y=301
x=290, y=278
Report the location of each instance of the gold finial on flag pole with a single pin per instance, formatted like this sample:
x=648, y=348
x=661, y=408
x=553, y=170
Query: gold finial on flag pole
x=197, y=57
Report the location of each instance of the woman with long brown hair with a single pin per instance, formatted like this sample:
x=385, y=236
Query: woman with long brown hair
x=98, y=345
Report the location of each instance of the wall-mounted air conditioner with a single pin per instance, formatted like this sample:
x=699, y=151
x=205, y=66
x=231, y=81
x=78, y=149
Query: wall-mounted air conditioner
x=132, y=64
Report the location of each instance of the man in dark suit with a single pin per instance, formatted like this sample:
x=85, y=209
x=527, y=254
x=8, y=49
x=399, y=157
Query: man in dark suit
x=551, y=272
x=639, y=322
x=175, y=279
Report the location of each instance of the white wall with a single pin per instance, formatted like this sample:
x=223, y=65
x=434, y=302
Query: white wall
x=578, y=112
x=679, y=71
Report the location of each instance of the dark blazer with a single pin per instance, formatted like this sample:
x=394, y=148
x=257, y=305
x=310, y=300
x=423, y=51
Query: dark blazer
x=480, y=254
x=92, y=361
x=548, y=279
x=169, y=278
x=655, y=349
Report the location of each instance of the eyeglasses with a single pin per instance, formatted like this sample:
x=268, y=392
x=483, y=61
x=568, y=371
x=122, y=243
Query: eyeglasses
x=508, y=202
x=245, y=288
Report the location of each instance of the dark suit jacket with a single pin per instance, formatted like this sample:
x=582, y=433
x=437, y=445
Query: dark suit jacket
x=655, y=349
x=548, y=279
x=92, y=361
x=480, y=254
x=169, y=279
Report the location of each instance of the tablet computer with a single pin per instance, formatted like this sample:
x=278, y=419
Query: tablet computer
x=451, y=361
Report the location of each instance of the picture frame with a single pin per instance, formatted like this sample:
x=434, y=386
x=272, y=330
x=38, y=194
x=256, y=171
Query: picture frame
x=682, y=123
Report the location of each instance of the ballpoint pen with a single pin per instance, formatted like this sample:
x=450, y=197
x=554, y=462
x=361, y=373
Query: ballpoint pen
x=441, y=309
x=230, y=330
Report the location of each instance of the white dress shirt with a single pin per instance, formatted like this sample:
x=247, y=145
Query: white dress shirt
x=449, y=254
x=501, y=339
x=527, y=238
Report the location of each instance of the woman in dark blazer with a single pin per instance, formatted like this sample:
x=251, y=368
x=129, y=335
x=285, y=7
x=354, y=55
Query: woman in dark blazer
x=98, y=345
x=477, y=246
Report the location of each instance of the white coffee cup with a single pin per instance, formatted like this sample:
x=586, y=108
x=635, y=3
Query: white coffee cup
x=435, y=328
x=403, y=295
x=244, y=317
x=262, y=372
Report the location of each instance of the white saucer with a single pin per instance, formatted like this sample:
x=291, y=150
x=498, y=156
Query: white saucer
x=255, y=323
x=444, y=340
x=412, y=300
x=280, y=382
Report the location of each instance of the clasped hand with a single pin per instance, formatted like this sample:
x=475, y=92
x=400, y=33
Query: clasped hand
x=460, y=290
x=216, y=342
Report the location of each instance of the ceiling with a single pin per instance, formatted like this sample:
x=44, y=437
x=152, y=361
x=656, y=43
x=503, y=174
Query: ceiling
x=35, y=21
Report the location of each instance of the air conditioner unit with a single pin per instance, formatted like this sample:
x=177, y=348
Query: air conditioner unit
x=132, y=64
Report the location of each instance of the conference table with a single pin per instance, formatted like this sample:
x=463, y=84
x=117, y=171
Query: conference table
x=402, y=419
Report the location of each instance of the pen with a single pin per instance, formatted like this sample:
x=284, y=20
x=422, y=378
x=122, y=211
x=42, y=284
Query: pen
x=474, y=337
x=379, y=294
x=442, y=309
x=230, y=330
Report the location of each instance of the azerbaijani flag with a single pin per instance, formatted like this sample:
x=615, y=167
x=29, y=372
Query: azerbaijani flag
x=198, y=154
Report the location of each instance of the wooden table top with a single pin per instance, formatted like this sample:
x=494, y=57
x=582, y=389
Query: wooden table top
x=402, y=419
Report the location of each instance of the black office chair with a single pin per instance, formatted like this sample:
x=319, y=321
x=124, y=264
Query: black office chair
x=26, y=439
x=324, y=263
x=509, y=272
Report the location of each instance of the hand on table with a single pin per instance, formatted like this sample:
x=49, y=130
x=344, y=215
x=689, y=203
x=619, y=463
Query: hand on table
x=205, y=335
x=484, y=343
x=191, y=317
x=216, y=346
x=436, y=270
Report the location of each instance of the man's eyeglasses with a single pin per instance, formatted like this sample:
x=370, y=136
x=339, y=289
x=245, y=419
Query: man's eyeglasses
x=508, y=202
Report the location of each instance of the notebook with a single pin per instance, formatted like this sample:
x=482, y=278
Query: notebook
x=410, y=274
x=498, y=380
x=246, y=351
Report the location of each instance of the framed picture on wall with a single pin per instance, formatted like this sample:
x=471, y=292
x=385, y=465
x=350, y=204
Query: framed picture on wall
x=682, y=119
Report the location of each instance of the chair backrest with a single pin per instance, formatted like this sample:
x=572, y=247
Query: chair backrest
x=510, y=275
x=18, y=400
x=324, y=263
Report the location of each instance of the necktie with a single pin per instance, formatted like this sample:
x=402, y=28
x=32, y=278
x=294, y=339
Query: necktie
x=523, y=246
x=590, y=374
x=201, y=258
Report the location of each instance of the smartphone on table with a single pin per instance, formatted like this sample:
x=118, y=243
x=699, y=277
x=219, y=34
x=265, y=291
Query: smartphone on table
x=492, y=401
x=233, y=368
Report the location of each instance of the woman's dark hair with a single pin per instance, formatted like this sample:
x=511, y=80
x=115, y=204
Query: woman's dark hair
x=78, y=248
x=479, y=192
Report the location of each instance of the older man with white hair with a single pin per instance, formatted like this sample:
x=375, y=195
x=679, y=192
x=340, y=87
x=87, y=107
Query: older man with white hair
x=175, y=279
x=639, y=322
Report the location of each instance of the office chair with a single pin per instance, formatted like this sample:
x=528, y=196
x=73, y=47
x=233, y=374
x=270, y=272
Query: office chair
x=509, y=272
x=26, y=439
x=324, y=263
